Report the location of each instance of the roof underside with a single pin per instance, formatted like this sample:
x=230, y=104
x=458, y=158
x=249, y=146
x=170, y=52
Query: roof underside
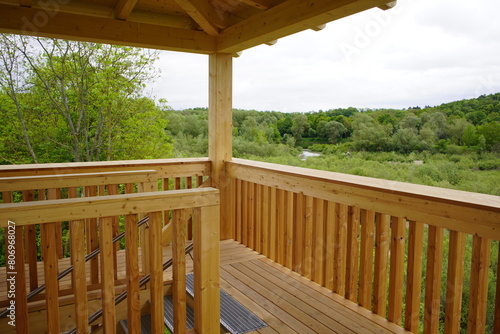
x=199, y=26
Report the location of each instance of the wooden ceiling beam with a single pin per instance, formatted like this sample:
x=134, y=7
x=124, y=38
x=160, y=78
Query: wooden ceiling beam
x=388, y=5
x=123, y=8
x=204, y=14
x=260, y=4
x=25, y=3
x=43, y=23
x=286, y=19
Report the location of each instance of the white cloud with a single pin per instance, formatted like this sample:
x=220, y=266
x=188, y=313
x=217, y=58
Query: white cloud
x=423, y=52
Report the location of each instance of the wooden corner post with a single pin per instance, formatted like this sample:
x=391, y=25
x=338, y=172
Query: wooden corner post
x=220, y=131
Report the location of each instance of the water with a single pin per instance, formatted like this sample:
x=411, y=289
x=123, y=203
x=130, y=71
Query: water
x=307, y=154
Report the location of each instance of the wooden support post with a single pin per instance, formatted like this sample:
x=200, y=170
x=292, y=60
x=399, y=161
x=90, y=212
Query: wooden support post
x=180, y=218
x=206, y=269
x=220, y=131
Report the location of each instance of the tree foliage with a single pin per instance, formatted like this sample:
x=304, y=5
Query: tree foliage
x=74, y=101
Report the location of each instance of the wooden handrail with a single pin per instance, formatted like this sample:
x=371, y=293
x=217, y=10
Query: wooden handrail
x=471, y=213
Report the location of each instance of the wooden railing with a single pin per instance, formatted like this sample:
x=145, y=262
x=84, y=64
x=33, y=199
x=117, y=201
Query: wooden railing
x=397, y=249
x=204, y=202
x=24, y=183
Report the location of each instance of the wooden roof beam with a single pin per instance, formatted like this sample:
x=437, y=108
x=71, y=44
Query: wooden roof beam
x=26, y=21
x=204, y=14
x=123, y=8
x=260, y=4
x=319, y=28
x=388, y=5
x=25, y=3
x=286, y=19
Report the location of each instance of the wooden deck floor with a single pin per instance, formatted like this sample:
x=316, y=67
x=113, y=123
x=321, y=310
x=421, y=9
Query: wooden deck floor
x=286, y=301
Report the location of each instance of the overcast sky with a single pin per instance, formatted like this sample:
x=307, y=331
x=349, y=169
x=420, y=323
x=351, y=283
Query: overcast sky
x=422, y=52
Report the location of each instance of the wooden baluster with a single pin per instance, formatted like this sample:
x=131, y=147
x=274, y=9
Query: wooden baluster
x=289, y=229
x=258, y=218
x=433, y=279
x=244, y=212
x=199, y=181
x=144, y=231
x=396, y=280
x=92, y=239
x=298, y=233
x=206, y=269
x=231, y=233
x=112, y=189
x=20, y=298
x=308, y=237
x=50, y=264
x=331, y=232
x=78, y=276
x=239, y=210
x=478, y=296
x=189, y=182
x=180, y=218
x=280, y=234
x=318, y=274
x=132, y=270
x=156, y=270
x=414, y=276
x=366, y=258
x=251, y=216
x=177, y=183
x=496, y=327
x=272, y=224
x=339, y=268
x=107, y=274
x=382, y=242
x=166, y=213
x=31, y=247
x=352, y=256
x=265, y=221
x=454, y=284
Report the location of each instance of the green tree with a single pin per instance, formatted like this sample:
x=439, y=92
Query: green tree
x=299, y=126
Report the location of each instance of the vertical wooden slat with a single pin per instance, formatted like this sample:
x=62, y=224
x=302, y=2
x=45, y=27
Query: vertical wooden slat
x=265, y=221
x=414, y=276
x=258, y=218
x=166, y=213
x=189, y=182
x=107, y=274
x=230, y=225
x=454, y=284
x=272, y=224
x=92, y=239
x=339, y=269
x=17, y=273
x=478, y=296
x=396, y=279
x=206, y=270
x=144, y=231
x=132, y=269
x=280, y=211
x=244, y=212
x=31, y=247
x=289, y=229
x=331, y=233
x=112, y=189
x=156, y=270
x=298, y=234
x=366, y=258
x=352, y=269
x=180, y=218
x=318, y=274
x=496, y=326
x=79, y=276
x=239, y=210
x=50, y=262
x=199, y=181
x=251, y=216
x=433, y=279
x=308, y=237
x=382, y=242
x=177, y=183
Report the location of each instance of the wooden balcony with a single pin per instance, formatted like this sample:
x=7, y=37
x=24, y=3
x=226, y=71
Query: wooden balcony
x=304, y=250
